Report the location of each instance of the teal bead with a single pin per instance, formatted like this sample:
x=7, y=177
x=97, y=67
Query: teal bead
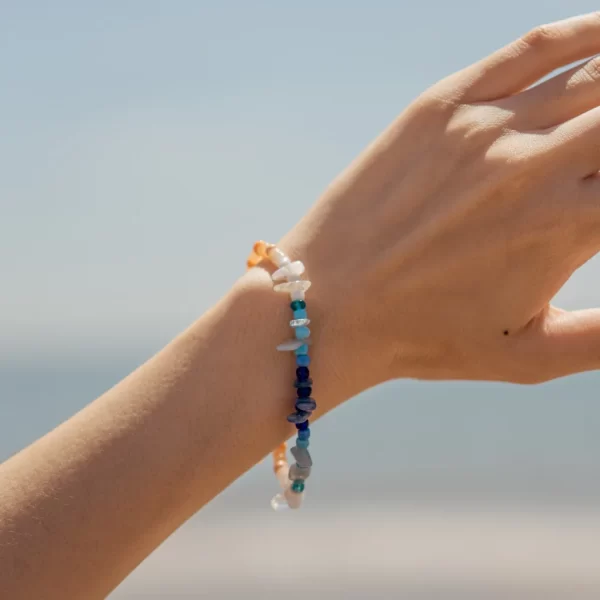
x=298, y=486
x=298, y=304
x=302, y=333
x=302, y=443
x=303, y=360
x=302, y=350
x=300, y=314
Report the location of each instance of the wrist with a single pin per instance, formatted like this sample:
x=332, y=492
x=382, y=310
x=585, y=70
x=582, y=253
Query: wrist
x=266, y=315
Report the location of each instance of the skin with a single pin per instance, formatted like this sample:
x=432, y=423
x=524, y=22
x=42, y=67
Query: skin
x=433, y=256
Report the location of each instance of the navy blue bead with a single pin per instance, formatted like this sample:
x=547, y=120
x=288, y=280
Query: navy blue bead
x=302, y=384
x=302, y=373
x=302, y=426
x=304, y=392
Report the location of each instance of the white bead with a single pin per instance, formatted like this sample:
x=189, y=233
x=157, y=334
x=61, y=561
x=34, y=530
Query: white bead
x=292, y=344
x=293, y=270
x=299, y=322
x=280, y=274
x=279, y=503
x=296, y=268
x=292, y=286
x=297, y=295
x=278, y=257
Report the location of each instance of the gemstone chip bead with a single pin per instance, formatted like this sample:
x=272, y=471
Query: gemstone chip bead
x=291, y=286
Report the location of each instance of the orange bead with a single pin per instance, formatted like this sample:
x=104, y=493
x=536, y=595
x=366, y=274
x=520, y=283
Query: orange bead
x=280, y=464
x=259, y=248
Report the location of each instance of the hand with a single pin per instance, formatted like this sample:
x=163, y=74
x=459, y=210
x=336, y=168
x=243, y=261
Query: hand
x=436, y=254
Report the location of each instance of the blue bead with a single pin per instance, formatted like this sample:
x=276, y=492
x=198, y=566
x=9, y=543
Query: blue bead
x=302, y=426
x=305, y=405
x=304, y=434
x=303, y=360
x=300, y=314
x=302, y=373
x=304, y=392
x=298, y=417
x=302, y=332
x=303, y=383
x=302, y=349
x=302, y=443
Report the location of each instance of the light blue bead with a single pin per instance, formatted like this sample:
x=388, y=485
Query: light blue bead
x=302, y=332
x=302, y=350
x=303, y=360
x=304, y=434
x=300, y=314
x=302, y=443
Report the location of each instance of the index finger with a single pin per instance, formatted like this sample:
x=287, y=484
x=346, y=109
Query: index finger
x=531, y=57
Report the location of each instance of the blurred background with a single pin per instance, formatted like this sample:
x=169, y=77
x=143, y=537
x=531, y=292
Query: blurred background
x=135, y=137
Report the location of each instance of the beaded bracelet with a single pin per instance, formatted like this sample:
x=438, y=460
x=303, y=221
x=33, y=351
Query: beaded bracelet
x=292, y=479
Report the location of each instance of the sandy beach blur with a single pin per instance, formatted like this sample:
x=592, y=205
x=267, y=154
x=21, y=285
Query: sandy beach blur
x=379, y=552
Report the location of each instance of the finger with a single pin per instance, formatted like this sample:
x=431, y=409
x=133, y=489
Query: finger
x=558, y=99
x=577, y=143
x=528, y=59
x=569, y=343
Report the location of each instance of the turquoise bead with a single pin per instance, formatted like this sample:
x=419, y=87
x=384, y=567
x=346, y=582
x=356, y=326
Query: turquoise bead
x=302, y=332
x=300, y=314
x=303, y=360
x=302, y=349
x=298, y=486
x=302, y=443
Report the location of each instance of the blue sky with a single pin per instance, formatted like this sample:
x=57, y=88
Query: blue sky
x=144, y=146
x=141, y=139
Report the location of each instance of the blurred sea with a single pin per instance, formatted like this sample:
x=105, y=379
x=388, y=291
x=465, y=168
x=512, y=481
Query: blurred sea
x=421, y=491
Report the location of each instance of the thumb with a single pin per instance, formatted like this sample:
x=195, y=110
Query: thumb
x=568, y=342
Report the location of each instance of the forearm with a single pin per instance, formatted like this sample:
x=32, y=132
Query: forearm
x=80, y=508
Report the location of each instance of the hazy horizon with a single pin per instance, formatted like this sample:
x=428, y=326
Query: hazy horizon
x=138, y=137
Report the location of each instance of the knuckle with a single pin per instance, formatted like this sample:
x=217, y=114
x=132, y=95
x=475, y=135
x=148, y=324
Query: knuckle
x=436, y=101
x=509, y=155
x=540, y=36
x=473, y=123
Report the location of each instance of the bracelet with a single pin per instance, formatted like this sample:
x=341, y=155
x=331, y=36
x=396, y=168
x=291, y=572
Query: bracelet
x=292, y=478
